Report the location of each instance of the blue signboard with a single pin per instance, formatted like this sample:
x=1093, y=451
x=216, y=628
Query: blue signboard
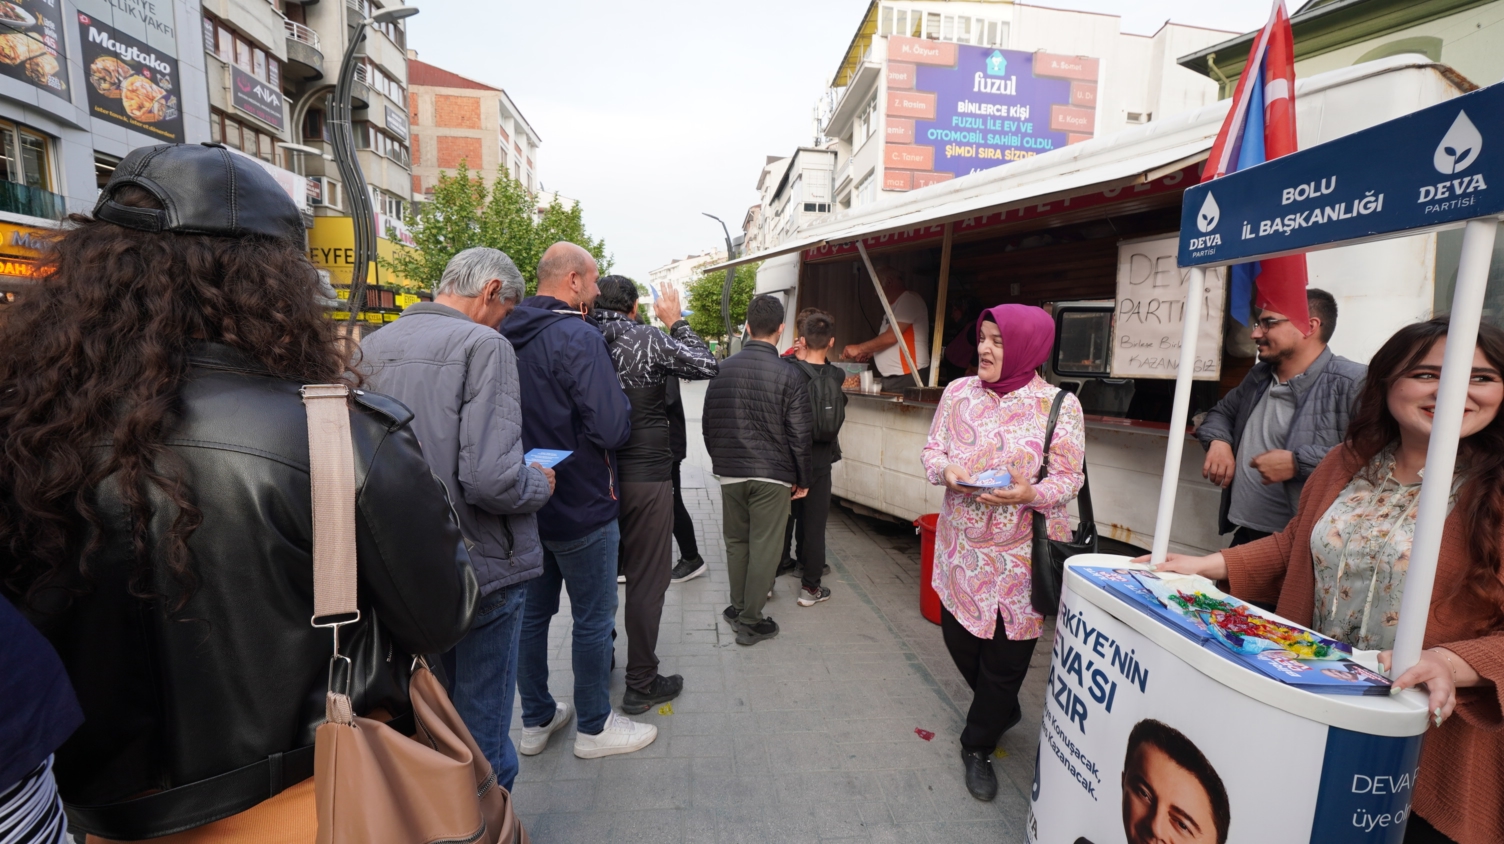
x=1424, y=170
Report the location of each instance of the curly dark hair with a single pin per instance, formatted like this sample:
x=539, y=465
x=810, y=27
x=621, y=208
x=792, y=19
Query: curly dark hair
x=1481, y=456
x=96, y=357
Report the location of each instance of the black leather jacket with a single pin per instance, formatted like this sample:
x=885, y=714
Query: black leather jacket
x=238, y=674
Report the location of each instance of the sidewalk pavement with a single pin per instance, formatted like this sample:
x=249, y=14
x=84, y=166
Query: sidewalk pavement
x=809, y=737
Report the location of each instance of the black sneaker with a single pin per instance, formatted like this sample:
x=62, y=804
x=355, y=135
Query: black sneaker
x=809, y=597
x=981, y=780
x=751, y=634
x=824, y=572
x=688, y=569
x=663, y=690
x=730, y=615
x=787, y=566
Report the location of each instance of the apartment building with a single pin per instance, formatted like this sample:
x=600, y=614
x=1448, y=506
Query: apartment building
x=929, y=90
x=680, y=272
x=456, y=119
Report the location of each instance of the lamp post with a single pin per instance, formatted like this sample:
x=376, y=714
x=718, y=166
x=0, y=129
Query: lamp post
x=343, y=137
x=730, y=277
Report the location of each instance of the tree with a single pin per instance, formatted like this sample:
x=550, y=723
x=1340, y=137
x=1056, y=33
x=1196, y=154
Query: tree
x=705, y=300
x=465, y=212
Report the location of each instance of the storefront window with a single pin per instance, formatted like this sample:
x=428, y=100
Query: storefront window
x=24, y=157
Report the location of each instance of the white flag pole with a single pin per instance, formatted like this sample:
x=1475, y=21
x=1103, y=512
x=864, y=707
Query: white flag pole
x=1446, y=427
x=1195, y=296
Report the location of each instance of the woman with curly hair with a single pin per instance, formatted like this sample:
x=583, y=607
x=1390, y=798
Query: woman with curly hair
x=155, y=506
x=1340, y=567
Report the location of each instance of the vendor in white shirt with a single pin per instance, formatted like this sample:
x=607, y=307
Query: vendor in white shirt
x=913, y=323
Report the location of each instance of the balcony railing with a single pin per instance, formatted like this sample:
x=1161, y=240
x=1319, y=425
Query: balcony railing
x=299, y=32
x=33, y=202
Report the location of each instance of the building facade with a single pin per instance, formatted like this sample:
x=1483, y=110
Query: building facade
x=680, y=272
x=456, y=120
x=929, y=90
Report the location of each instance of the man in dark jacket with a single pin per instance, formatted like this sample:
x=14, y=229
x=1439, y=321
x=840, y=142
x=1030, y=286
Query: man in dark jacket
x=818, y=331
x=1266, y=436
x=646, y=360
x=445, y=360
x=757, y=430
x=571, y=401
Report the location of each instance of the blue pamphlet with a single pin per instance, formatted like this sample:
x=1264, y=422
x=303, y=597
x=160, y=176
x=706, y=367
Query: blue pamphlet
x=990, y=479
x=545, y=457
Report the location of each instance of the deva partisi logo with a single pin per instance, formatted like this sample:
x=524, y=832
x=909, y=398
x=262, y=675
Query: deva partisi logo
x=1209, y=215
x=1459, y=148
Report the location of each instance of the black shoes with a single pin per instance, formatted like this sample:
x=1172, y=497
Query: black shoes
x=730, y=615
x=688, y=569
x=981, y=780
x=751, y=634
x=786, y=566
x=663, y=690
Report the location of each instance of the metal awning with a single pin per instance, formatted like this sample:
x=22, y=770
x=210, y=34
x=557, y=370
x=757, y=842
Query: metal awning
x=1130, y=157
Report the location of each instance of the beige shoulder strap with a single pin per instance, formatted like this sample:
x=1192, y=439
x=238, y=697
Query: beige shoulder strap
x=331, y=462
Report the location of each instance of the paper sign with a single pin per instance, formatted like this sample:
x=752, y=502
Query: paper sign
x=545, y=457
x=1151, y=313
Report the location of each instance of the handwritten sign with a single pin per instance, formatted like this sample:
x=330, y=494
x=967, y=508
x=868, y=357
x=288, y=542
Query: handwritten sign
x=1151, y=313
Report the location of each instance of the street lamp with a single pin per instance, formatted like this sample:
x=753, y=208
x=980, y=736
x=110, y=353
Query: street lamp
x=730, y=276
x=343, y=137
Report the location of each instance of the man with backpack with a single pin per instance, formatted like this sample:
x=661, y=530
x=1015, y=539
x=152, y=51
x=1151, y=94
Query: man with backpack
x=828, y=413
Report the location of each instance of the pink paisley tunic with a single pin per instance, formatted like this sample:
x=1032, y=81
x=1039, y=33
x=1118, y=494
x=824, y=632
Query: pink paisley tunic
x=982, y=552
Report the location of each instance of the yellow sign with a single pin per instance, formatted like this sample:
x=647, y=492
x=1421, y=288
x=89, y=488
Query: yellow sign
x=331, y=247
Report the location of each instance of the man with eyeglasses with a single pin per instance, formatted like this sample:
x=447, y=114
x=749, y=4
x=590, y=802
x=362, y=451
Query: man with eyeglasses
x=1264, y=439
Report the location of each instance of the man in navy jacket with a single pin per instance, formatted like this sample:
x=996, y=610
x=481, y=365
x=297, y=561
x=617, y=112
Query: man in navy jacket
x=572, y=401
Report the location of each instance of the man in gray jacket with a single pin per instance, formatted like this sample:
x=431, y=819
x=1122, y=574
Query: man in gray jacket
x=447, y=362
x=1266, y=436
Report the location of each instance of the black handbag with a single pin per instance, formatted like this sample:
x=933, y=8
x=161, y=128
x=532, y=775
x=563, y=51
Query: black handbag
x=1049, y=555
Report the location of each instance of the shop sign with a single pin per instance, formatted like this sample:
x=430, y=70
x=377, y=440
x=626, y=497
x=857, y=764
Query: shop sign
x=396, y=122
x=256, y=98
x=130, y=83
x=31, y=45
x=961, y=108
x=1150, y=313
x=1427, y=170
x=982, y=222
x=1134, y=737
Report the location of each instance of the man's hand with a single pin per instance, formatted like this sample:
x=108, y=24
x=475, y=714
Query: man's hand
x=1275, y=466
x=1221, y=464
x=667, y=307
x=547, y=474
x=855, y=353
x=799, y=492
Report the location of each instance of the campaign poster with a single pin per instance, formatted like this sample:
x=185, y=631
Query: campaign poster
x=31, y=44
x=955, y=109
x=1139, y=746
x=1149, y=323
x=130, y=83
x=256, y=98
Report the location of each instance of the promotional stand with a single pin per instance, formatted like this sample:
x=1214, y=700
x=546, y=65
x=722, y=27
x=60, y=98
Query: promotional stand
x=1145, y=727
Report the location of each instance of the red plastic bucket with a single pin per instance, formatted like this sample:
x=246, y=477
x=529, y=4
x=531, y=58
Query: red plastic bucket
x=929, y=599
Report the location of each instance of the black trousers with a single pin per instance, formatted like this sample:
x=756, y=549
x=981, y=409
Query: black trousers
x=1244, y=535
x=812, y=517
x=995, y=669
x=684, y=526
x=647, y=514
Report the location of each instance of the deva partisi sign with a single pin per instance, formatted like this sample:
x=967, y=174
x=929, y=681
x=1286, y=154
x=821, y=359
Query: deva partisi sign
x=1439, y=166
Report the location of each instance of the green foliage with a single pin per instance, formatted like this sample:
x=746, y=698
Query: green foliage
x=465, y=212
x=705, y=300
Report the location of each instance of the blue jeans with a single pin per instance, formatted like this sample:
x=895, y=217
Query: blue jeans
x=587, y=566
x=483, y=670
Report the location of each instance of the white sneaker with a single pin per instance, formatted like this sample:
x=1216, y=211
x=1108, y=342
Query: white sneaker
x=620, y=735
x=535, y=739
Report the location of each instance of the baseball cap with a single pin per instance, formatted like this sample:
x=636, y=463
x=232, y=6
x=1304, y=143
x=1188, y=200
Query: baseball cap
x=204, y=189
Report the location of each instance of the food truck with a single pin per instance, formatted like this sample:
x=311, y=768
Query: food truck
x=1090, y=231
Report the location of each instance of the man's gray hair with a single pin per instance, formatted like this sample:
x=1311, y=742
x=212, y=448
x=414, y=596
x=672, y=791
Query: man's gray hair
x=467, y=273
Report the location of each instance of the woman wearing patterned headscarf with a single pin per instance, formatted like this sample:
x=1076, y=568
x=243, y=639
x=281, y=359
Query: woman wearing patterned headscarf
x=996, y=420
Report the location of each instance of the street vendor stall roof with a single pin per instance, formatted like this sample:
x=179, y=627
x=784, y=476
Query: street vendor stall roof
x=1130, y=157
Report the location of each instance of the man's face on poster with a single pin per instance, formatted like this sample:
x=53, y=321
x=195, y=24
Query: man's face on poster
x=1164, y=803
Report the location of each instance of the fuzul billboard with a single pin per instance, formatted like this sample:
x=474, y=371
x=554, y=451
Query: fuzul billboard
x=954, y=109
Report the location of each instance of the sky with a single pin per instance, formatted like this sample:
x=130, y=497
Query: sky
x=652, y=113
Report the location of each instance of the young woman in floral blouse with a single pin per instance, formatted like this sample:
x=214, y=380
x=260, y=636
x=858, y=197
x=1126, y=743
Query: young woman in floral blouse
x=996, y=420
x=1340, y=567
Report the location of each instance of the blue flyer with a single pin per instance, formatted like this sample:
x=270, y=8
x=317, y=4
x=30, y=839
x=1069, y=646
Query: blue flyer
x=545, y=457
